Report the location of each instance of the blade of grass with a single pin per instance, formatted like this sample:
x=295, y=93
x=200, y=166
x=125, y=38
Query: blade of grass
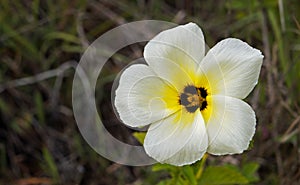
x=20, y=43
x=50, y=165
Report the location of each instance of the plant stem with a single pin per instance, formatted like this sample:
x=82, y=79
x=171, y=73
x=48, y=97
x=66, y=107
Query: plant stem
x=201, y=167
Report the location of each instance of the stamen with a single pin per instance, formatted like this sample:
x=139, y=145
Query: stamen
x=193, y=98
x=203, y=105
x=202, y=91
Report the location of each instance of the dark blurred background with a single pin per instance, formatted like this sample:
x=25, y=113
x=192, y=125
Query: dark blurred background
x=41, y=42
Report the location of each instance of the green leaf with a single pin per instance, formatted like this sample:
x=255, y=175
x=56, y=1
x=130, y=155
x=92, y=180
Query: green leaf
x=62, y=36
x=188, y=173
x=249, y=170
x=140, y=136
x=164, y=182
x=160, y=167
x=72, y=48
x=222, y=175
x=173, y=171
x=39, y=107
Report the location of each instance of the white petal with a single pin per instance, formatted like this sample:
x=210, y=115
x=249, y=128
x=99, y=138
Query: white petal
x=172, y=73
x=231, y=125
x=179, y=139
x=232, y=68
x=183, y=45
x=143, y=98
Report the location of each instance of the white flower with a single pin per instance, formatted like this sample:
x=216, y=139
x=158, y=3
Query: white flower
x=192, y=101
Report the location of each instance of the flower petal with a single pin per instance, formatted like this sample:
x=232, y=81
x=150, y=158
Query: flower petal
x=143, y=98
x=172, y=73
x=179, y=139
x=183, y=45
x=231, y=125
x=232, y=68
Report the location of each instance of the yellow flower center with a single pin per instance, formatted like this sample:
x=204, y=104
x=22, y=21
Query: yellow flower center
x=193, y=98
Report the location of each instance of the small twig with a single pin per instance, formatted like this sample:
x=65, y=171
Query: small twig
x=288, y=108
x=296, y=22
x=39, y=77
x=287, y=137
x=289, y=133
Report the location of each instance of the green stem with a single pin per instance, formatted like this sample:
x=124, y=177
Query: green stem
x=201, y=167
